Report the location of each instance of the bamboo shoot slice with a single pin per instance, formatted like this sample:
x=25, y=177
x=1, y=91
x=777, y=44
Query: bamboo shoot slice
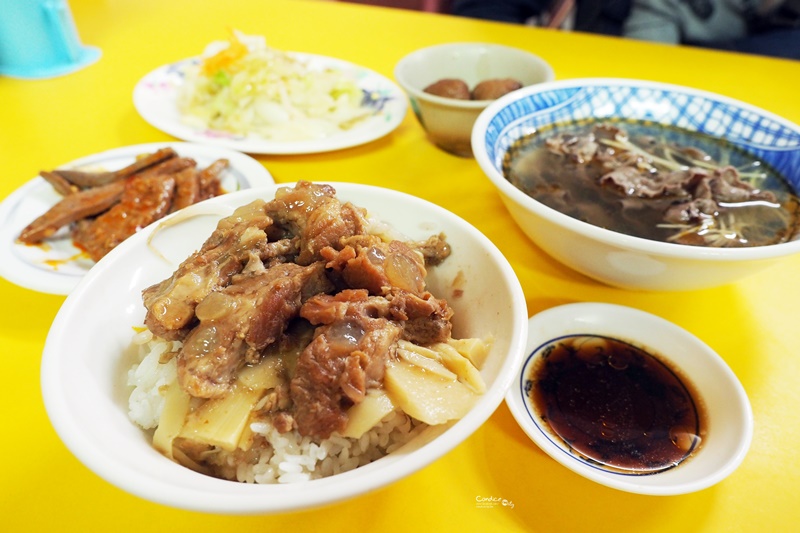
x=474, y=349
x=173, y=415
x=430, y=364
x=461, y=366
x=221, y=421
x=366, y=415
x=426, y=396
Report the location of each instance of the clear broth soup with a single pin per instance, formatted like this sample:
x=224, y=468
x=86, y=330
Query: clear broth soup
x=656, y=182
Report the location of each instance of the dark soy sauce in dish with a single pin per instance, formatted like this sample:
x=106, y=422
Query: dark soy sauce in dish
x=615, y=405
x=655, y=182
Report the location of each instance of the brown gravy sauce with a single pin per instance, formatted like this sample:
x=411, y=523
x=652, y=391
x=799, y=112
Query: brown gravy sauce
x=615, y=404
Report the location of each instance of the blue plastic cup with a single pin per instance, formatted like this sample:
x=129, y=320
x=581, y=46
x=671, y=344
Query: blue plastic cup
x=38, y=39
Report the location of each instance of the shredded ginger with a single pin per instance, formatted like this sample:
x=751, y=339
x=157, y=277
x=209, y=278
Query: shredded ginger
x=244, y=87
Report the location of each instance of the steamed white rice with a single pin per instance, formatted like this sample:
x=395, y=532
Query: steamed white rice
x=275, y=457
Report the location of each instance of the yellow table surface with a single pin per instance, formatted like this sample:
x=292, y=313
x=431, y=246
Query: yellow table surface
x=752, y=324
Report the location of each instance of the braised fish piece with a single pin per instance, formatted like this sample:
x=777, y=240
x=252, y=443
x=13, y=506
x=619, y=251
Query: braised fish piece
x=60, y=184
x=193, y=185
x=144, y=200
x=187, y=189
x=168, y=167
x=72, y=208
x=84, y=179
x=167, y=182
x=210, y=179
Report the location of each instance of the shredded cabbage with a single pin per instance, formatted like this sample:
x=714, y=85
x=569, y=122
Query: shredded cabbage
x=243, y=86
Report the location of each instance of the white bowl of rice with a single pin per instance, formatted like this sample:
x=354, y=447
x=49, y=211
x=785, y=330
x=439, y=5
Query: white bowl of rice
x=92, y=364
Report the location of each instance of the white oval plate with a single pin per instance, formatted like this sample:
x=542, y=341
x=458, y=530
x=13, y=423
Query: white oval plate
x=155, y=98
x=56, y=266
x=730, y=418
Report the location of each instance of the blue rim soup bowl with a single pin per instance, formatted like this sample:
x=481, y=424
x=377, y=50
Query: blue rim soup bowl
x=614, y=258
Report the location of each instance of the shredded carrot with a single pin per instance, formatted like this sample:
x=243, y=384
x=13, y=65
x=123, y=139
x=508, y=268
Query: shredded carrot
x=235, y=51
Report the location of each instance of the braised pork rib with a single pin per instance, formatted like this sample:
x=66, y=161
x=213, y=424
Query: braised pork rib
x=303, y=256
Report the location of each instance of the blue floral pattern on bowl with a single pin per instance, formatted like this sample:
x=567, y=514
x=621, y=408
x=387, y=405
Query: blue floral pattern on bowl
x=768, y=137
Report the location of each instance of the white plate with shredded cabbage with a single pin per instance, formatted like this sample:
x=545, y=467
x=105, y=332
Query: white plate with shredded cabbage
x=243, y=95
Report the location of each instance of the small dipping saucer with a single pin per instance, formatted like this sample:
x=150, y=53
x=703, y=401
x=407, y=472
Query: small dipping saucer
x=701, y=450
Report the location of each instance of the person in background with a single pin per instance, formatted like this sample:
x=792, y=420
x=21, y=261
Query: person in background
x=605, y=17
x=766, y=27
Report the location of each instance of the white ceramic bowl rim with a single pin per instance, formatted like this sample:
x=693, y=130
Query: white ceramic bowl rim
x=406, y=61
x=489, y=163
x=81, y=387
x=730, y=425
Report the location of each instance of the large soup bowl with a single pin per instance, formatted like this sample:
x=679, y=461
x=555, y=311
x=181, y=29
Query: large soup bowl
x=84, y=368
x=615, y=258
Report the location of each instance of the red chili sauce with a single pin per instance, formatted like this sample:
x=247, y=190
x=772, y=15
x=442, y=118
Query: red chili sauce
x=615, y=404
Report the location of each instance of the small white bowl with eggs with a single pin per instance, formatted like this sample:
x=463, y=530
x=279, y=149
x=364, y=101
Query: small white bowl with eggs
x=448, y=121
